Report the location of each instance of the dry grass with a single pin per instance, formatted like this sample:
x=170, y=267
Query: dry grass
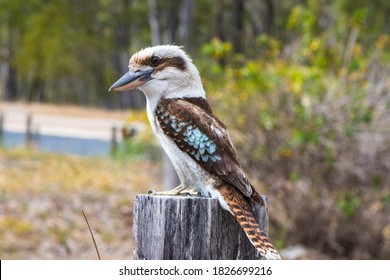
x=42, y=195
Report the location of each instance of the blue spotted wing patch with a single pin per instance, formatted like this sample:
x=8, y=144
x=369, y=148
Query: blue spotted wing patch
x=204, y=148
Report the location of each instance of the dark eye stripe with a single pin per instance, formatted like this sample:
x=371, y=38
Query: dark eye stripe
x=177, y=62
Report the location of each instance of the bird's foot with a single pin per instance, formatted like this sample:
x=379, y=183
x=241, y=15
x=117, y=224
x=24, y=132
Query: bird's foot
x=175, y=191
x=180, y=190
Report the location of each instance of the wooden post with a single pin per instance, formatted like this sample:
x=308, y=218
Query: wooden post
x=190, y=228
x=1, y=128
x=29, y=134
x=114, y=141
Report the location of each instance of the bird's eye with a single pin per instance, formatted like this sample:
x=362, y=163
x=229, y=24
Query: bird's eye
x=154, y=60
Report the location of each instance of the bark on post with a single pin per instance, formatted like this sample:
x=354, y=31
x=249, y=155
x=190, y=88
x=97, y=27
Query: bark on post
x=190, y=228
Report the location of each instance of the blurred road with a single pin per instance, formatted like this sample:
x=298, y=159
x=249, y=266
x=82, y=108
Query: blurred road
x=15, y=120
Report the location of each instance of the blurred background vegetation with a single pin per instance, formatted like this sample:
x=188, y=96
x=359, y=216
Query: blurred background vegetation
x=303, y=86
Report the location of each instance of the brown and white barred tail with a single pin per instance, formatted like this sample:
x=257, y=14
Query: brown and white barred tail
x=241, y=210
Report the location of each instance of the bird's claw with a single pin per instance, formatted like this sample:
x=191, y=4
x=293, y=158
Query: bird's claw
x=193, y=193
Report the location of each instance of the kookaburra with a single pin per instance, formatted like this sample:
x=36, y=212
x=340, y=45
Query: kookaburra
x=195, y=140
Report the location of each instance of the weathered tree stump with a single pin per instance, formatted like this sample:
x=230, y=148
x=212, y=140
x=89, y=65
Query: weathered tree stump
x=190, y=228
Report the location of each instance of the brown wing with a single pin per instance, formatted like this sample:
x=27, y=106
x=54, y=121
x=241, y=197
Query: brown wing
x=190, y=123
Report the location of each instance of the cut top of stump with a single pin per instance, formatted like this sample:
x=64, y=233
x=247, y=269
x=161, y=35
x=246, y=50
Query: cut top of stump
x=191, y=228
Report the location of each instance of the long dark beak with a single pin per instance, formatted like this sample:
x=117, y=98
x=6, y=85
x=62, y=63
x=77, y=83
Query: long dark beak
x=132, y=80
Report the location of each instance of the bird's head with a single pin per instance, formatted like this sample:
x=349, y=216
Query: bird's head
x=161, y=71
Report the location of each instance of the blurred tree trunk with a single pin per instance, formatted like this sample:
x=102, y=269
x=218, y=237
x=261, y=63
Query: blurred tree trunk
x=261, y=16
x=37, y=93
x=11, y=84
x=186, y=12
x=270, y=16
x=172, y=21
x=154, y=22
x=219, y=27
x=238, y=27
x=219, y=20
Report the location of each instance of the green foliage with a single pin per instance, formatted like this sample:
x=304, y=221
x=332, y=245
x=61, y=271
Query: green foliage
x=348, y=203
x=386, y=199
x=218, y=49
